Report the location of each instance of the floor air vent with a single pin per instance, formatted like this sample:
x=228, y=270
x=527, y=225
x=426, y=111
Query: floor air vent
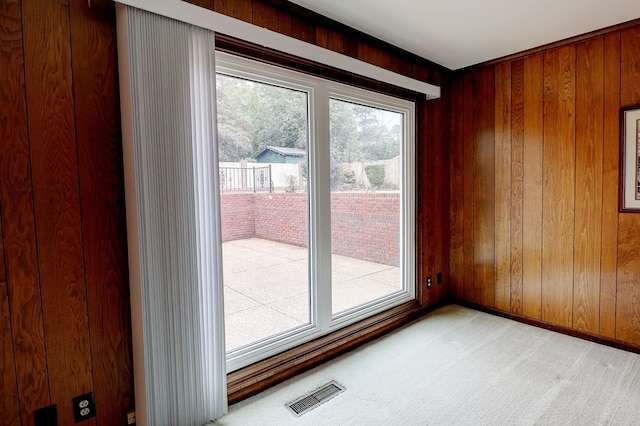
x=317, y=397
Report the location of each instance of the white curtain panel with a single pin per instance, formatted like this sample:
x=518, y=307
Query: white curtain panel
x=167, y=78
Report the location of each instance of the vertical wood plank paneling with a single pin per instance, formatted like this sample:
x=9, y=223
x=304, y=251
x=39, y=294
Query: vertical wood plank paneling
x=94, y=62
x=517, y=182
x=57, y=205
x=207, y=4
x=437, y=161
x=384, y=59
x=18, y=220
x=559, y=189
x=423, y=208
x=484, y=187
x=401, y=65
x=503, y=186
x=588, y=184
x=418, y=72
x=468, y=186
x=628, y=294
x=350, y=47
x=329, y=39
x=532, y=188
x=442, y=158
x=9, y=406
x=456, y=190
x=265, y=16
x=611, y=157
x=367, y=53
x=304, y=30
x=323, y=37
x=285, y=23
x=240, y=9
x=336, y=41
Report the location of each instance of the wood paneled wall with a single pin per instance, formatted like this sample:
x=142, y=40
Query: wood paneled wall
x=64, y=297
x=535, y=227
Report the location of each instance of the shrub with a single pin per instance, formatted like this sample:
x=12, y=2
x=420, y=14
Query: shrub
x=348, y=175
x=291, y=184
x=375, y=174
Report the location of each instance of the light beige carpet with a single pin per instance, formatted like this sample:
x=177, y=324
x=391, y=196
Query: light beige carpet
x=458, y=366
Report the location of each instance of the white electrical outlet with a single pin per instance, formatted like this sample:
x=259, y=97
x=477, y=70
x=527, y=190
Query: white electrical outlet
x=84, y=407
x=131, y=417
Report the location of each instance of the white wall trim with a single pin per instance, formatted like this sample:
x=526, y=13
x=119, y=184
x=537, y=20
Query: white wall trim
x=224, y=24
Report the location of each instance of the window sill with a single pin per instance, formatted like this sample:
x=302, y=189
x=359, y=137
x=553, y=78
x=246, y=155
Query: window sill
x=257, y=377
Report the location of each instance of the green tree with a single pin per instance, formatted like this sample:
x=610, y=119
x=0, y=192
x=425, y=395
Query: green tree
x=379, y=133
x=279, y=116
x=235, y=127
x=253, y=115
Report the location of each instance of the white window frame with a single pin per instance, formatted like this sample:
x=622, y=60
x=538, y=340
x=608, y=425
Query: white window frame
x=319, y=91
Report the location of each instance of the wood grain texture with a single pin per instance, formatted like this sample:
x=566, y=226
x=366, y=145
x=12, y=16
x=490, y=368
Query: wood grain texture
x=57, y=204
x=517, y=183
x=456, y=190
x=240, y=9
x=579, y=255
x=484, y=188
x=468, y=186
x=97, y=117
x=304, y=30
x=384, y=59
x=532, y=188
x=438, y=237
x=9, y=406
x=401, y=65
x=588, y=184
x=611, y=149
x=207, y=4
x=3, y=269
x=629, y=68
x=285, y=23
x=265, y=16
x=559, y=189
x=628, y=290
x=503, y=186
x=329, y=39
x=367, y=53
x=18, y=221
x=423, y=209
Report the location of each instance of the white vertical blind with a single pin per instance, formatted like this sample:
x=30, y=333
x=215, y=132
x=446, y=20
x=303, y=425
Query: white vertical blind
x=167, y=78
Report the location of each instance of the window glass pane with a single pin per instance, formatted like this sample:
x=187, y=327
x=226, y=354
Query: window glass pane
x=263, y=142
x=366, y=170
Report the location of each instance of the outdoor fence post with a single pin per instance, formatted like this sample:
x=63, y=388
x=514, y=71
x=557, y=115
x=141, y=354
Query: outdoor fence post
x=270, y=180
x=254, y=178
x=243, y=171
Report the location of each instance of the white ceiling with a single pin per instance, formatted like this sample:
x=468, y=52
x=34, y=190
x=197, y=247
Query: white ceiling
x=459, y=33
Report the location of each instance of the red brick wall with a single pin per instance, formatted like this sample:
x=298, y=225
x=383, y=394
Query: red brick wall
x=282, y=217
x=238, y=220
x=364, y=225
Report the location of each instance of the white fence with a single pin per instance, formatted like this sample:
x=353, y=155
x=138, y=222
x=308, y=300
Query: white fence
x=244, y=176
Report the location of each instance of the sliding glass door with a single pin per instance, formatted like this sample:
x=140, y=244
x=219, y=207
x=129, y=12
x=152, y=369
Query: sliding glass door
x=263, y=138
x=365, y=144
x=316, y=202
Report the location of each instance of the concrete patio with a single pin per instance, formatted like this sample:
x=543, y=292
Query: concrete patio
x=266, y=290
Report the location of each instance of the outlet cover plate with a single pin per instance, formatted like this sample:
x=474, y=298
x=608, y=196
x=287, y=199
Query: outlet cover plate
x=84, y=407
x=46, y=416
